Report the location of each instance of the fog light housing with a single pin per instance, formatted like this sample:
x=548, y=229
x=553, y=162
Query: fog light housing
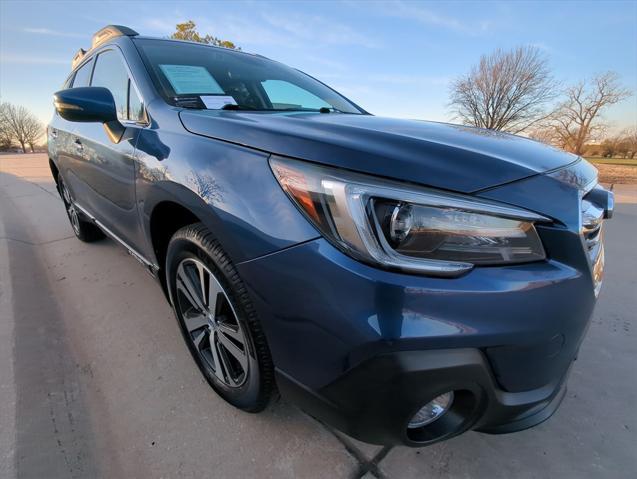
x=431, y=411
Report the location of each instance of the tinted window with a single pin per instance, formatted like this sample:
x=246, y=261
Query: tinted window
x=83, y=75
x=185, y=70
x=110, y=73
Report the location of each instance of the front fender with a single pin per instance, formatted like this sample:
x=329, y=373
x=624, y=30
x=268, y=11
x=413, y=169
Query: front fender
x=230, y=188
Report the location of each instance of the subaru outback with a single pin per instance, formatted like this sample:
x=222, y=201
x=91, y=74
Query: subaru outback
x=402, y=281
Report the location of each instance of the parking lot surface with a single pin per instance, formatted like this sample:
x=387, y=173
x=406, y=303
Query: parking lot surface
x=95, y=380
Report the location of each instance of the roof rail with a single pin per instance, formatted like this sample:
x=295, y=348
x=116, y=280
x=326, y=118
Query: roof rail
x=106, y=33
x=111, y=31
x=77, y=58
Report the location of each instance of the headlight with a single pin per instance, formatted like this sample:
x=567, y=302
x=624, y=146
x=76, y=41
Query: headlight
x=406, y=227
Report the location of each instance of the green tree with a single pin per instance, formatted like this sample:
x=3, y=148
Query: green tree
x=188, y=31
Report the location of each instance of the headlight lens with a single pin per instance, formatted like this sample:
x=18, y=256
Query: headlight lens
x=406, y=227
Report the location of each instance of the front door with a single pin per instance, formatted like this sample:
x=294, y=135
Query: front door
x=108, y=167
x=62, y=135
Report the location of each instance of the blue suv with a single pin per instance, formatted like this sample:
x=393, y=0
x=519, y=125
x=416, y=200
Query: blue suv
x=403, y=281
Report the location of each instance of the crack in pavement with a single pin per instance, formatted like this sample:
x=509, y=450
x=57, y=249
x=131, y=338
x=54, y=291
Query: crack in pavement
x=365, y=465
x=8, y=238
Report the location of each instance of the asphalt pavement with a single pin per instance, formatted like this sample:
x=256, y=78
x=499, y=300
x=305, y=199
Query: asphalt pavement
x=95, y=380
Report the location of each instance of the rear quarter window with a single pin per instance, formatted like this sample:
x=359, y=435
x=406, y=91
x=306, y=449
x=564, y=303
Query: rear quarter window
x=83, y=75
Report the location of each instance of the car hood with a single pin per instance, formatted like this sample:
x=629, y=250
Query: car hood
x=451, y=157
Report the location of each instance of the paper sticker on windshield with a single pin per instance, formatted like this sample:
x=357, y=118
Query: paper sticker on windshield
x=188, y=79
x=217, y=102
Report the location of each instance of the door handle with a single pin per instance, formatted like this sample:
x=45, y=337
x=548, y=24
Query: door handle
x=78, y=145
x=54, y=133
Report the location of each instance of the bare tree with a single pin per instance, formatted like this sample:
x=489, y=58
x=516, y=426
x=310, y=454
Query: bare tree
x=33, y=131
x=205, y=186
x=610, y=146
x=543, y=135
x=577, y=120
x=21, y=125
x=623, y=149
x=630, y=137
x=507, y=90
x=6, y=139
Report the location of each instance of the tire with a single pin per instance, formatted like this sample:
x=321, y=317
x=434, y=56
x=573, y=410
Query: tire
x=220, y=325
x=86, y=231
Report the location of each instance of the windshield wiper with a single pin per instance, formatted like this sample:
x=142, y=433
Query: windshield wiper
x=323, y=109
x=331, y=109
x=234, y=106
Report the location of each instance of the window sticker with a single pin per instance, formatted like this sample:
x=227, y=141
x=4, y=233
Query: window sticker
x=188, y=79
x=217, y=102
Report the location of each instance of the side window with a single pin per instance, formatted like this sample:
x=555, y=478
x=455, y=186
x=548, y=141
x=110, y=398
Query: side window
x=135, y=105
x=110, y=73
x=68, y=82
x=83, y=75
x=283, y=94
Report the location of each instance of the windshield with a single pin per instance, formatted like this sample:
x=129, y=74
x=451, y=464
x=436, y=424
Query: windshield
x=199, y=76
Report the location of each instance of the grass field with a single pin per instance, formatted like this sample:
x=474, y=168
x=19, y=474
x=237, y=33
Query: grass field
x=613, y=161
x=611, y=173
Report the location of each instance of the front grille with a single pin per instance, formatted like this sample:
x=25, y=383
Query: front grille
x=593, y=235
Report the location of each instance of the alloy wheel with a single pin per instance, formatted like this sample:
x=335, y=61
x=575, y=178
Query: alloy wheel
x=71, y=209
x=211, y=323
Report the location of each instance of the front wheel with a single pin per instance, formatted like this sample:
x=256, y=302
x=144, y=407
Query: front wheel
x=218, y=320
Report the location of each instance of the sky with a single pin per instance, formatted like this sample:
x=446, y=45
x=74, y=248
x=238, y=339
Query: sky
x=393, y=58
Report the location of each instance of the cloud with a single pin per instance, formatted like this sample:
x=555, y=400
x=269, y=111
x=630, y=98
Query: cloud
x=401, y=79
x=392, y=79
x=160, y=25
x=246, y=32
x=325, y=63
x=54, y=33
x=420, y=14
x=317, y=28
x=33, y=60
x=542, y=46
x=238, y=29
x=266, y=28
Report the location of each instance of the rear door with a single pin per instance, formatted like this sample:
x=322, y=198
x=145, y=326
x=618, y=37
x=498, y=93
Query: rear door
x=108, y=168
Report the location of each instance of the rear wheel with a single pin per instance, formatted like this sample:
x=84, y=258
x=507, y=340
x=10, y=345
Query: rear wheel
x=217, y=319
x=83, y=229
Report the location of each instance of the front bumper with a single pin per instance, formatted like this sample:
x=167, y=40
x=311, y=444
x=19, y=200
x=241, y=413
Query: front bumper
x=375, y=401
x=363, y=349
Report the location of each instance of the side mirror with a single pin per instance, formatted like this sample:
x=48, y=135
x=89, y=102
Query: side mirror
x=92, y=104
x=86, y=104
